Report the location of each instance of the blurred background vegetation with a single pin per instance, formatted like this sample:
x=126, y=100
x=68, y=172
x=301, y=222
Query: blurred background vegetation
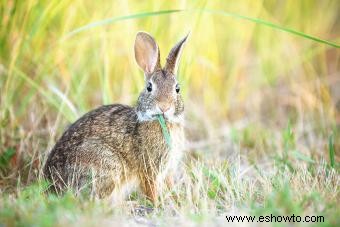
x=254, y=95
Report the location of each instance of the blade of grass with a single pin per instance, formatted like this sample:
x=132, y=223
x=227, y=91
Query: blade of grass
x=331, y=151
x=5, y=157
x=165, y=131
x=271, y=25
x=70, y=115
x=302, y=157
x=115, y=19
x=64, y=99
x=219, y=12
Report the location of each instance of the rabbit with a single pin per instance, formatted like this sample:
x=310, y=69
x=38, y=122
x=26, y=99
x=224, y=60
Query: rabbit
x=117, y=146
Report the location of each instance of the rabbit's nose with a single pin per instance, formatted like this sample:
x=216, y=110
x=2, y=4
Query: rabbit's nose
x=164, y=107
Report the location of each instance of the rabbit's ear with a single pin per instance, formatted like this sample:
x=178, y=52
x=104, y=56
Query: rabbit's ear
x=172, y=61
x=146, y=53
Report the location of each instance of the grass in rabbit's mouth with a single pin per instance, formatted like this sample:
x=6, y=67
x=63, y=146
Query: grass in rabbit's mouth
x=165, y=130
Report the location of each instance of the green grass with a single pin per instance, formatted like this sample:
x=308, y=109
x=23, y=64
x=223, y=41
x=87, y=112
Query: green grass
x=260, y=84
x=331, y=151
x=200, y=197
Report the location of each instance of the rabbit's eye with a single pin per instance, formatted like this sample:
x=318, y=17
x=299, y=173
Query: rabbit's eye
x=149, y=87
x=177, y=88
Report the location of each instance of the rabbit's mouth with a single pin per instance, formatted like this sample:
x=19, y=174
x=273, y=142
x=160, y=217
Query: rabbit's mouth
x=146, y=116
x=168, y=116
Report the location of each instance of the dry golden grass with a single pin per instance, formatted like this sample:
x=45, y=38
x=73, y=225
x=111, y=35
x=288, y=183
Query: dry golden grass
x=262, y=105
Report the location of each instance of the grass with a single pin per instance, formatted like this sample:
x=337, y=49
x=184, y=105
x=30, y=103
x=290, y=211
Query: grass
x=331, y=151
x=262, y=105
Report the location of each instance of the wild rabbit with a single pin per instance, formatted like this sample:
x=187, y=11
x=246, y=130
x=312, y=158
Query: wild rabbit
x=116, y=145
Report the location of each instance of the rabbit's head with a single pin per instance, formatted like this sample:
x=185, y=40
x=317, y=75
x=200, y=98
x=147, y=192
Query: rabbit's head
x=162, y=94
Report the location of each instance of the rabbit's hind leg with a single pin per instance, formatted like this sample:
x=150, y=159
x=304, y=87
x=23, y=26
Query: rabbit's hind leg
x=96, y=168
x=98, y=180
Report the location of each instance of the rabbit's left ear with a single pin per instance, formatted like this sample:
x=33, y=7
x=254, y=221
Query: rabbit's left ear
x=172, y=61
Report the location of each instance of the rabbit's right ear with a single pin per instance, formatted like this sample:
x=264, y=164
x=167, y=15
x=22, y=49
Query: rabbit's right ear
x=146, y=53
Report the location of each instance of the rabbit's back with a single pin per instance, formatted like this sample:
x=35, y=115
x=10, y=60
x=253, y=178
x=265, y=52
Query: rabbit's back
x=100, y=141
